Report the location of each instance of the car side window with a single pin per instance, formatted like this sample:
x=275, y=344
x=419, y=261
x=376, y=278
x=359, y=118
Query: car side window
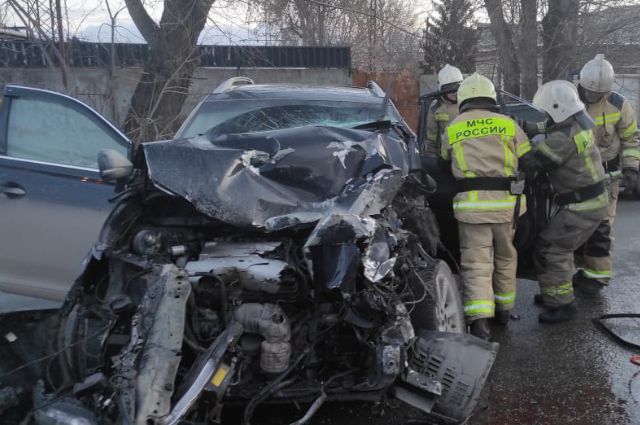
x=46, y=130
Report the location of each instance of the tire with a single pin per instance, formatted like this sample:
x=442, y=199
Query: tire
x=441, y=309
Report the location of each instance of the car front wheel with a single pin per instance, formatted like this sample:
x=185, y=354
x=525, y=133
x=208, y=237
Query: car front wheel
x=440, y=306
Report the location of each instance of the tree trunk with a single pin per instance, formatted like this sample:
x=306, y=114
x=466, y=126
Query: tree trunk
x=161, y=92
x=173, y=58
x=559, y=34
x=61, y=43
x=504, y=45
x=528, y=53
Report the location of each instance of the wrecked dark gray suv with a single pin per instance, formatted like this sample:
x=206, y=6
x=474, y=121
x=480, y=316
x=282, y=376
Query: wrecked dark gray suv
x=287, y=265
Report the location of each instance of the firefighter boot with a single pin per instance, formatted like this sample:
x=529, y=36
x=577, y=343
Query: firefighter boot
x=559, y=314
x=480, y=328
x=502, y=317
x=585, y=285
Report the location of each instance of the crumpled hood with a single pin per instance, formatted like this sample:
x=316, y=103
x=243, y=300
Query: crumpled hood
x=283, y=178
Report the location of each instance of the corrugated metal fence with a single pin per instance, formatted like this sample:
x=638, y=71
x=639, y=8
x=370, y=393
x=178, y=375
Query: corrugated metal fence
x=33, y=54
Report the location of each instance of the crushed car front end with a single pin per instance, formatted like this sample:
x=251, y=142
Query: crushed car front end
x=287, y=265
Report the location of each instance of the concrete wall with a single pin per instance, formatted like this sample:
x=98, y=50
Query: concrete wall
x=111, y=97
x=628, y=85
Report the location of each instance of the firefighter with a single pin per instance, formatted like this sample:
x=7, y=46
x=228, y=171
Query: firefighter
x=442, y=110
x=572, y=161
x=616, y=134
x=484, y=147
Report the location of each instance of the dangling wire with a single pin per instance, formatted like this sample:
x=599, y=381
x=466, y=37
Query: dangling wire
x=57, y=353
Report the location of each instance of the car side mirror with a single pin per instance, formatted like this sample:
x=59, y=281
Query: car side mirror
x=113, y=165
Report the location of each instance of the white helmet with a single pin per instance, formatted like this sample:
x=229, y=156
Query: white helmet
x=559, y=99
x=449, y=75
x=597, y=75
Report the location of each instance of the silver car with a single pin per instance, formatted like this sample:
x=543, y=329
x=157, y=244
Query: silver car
x=52, y=200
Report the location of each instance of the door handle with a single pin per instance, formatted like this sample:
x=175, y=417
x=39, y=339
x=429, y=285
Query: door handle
x=12, y=190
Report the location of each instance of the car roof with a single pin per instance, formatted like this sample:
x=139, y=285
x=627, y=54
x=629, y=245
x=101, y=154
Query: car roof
x=298, y=91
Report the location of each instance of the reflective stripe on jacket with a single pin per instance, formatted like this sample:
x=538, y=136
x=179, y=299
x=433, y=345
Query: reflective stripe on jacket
x=616, y=131
x=441, y=113
x=572, y=160
x=482, y=143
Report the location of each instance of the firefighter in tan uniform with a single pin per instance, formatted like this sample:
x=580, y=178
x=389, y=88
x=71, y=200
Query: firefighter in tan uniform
x=484, y=147
x=443, y=110
x=572, y=161
x=616, y=134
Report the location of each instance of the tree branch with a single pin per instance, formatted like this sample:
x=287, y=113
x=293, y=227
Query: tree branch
x=147, y=26
x=505, y=46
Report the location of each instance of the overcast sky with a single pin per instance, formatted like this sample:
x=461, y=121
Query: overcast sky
x=89, y=20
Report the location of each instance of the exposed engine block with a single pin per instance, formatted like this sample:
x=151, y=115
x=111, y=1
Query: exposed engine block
x=245, y=266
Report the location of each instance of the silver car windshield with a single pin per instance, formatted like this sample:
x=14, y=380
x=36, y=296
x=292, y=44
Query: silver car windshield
x=216, y=118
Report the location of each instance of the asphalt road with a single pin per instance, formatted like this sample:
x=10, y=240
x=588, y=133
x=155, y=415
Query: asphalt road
x=563, y=374
x=572, y=373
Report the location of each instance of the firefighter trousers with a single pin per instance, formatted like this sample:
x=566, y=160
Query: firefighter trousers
x=488, y=262
x=554, y=250
x=597, y=251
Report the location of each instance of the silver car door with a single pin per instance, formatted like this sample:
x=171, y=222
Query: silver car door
x=52, y=201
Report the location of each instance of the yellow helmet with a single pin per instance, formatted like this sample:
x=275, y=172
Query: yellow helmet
x=476, y=86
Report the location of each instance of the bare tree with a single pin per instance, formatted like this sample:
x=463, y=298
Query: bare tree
x=505, y=44
x=392, y=38
x=528, y=53
x=559, y=36
x=113, y=19
x=382, y=34
x=310, y=23
x=44, y=31
x=612, y=28
x=61, y=38
x=173, y=58
x=571, y=32
x=112, y=84
x=4, y=12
